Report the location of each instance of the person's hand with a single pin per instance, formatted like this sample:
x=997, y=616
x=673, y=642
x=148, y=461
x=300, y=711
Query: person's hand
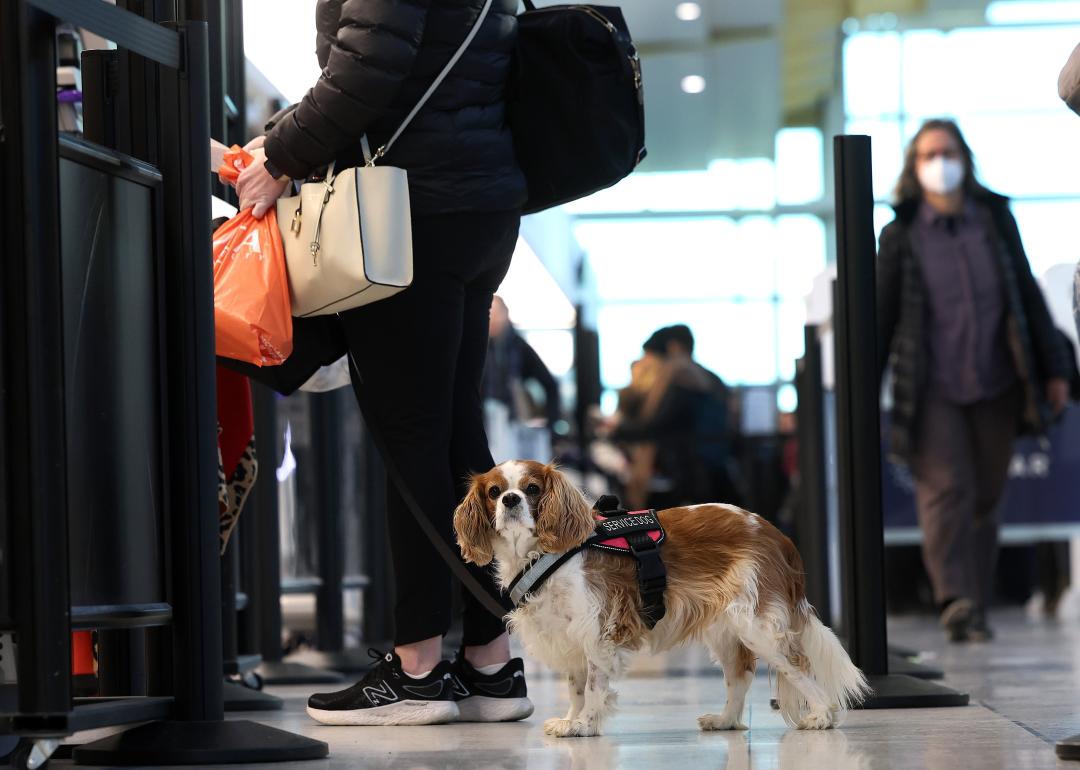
x=257, y=189
x=254, y=144
x=1057, y=394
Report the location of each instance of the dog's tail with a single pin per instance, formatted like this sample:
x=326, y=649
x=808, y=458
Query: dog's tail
x=826, y=661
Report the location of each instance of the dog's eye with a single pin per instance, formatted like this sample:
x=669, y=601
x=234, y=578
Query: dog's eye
x=494, y=493
x=532, y=489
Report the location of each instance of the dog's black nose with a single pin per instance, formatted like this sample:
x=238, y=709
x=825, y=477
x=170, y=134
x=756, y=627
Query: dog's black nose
x=511, y=500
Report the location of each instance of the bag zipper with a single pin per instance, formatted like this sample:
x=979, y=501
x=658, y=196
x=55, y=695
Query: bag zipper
x=634, y=58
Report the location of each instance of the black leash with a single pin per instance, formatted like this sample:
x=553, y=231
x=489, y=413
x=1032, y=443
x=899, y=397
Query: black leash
x=493, y=603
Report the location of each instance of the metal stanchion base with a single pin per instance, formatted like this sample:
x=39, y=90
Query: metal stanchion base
x=1069, y=748
x=907, y=667
x=200, y=743
x=903, y=652
x=282, y=672
x=241, y=698
x=896, y=691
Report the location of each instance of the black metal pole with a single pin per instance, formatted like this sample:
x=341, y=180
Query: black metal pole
x=262, y=515
x=859, y=440
x=36, y=496
x=326, y=439
x=812, y=526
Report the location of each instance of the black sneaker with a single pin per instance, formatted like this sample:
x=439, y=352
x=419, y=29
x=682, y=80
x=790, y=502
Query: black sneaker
x=388, y=696
x=498, y=697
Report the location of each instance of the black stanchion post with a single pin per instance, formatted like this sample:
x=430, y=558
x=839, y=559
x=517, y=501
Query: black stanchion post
x=326, y=439
x=328, y=451
x=859, y=440
x=812, y=526
x=240, y=691
x=199, y=734
x=36, y=494
x=262, y=516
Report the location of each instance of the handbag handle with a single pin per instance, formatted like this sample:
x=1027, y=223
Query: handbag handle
x=370, y=158
x=529, y=6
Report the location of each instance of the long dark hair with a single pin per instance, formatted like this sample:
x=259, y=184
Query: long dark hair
x=908, y=187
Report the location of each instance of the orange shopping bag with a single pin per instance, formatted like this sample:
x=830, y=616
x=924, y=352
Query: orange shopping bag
x=252, y=310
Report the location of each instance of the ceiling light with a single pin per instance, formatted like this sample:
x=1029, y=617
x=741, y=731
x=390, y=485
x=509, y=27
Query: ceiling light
x=688, y=11
x=693, y=84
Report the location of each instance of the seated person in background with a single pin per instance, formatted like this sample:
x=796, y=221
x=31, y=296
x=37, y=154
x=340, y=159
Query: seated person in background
x=511, y=362
x=685, y=417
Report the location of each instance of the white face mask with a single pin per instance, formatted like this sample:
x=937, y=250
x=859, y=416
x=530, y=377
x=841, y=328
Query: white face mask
x=941, y=175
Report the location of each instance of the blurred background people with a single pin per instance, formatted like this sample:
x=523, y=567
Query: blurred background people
x=511, y=364
x=676, y=412
x=974, y=356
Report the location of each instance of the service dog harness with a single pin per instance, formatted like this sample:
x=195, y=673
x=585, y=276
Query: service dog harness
x=631, y=533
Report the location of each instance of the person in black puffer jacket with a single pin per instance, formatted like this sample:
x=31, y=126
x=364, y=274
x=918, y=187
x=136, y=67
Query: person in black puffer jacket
x=420, y=354
x=974, y=356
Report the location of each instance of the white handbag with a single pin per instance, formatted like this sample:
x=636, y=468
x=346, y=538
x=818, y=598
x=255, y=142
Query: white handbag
x=348, y=238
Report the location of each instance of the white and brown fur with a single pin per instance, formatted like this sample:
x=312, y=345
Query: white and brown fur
x=734, y=583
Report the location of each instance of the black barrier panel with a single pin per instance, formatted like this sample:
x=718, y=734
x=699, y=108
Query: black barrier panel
x=113, y=366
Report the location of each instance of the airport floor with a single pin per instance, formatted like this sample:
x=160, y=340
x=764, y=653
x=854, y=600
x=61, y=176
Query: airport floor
x=1025, y=693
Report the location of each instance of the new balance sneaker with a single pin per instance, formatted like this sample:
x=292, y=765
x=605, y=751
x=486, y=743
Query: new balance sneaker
x=498, y=697
x=388, y=696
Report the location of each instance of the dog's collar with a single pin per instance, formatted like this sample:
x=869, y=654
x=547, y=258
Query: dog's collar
x=633, y=533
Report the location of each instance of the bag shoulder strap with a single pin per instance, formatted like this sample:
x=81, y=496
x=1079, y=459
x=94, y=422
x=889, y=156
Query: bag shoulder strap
x=493, y=604
x=372, y=158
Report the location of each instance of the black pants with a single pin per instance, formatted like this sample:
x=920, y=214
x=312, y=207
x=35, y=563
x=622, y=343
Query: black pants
x=421, y=356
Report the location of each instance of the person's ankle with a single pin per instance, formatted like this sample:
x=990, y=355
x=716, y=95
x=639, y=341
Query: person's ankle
x=419, y=658
x=495, y=652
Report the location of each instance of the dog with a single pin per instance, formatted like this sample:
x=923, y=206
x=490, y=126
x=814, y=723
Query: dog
x=734, y=583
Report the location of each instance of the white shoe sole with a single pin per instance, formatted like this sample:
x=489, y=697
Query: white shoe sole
x=406, y=712
x=479, y=708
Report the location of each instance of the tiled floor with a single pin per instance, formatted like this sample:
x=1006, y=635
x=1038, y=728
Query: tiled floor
x=1025, y=690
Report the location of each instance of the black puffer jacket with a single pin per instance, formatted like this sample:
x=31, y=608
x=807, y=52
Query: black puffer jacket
x=378, y=58
x=903, y=307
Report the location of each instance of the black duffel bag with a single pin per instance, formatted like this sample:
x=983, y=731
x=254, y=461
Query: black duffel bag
x=575, y=102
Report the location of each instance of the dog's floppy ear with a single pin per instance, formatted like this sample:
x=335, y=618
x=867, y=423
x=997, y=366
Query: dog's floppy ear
x=564, y=519
x=472, y=525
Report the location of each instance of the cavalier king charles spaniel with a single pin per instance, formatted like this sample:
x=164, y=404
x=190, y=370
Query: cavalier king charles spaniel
x=734, y=583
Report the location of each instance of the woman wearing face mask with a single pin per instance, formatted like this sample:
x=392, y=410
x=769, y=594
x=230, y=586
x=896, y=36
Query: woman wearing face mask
x=974, y=356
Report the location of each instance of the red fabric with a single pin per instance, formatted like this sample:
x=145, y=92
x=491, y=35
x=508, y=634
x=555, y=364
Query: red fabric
x=82, y=652
x=235, y=417
x=621, y=542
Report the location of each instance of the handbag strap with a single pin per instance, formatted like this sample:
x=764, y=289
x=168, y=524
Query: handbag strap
x=371, y=158
x=496, y=605
x=529, y=6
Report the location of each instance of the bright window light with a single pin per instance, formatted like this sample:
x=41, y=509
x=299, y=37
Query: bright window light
x=688, y=11
x=800, y=166
x=268, y=44
x=1033, y=12
x=693, y=84
x=532, y=296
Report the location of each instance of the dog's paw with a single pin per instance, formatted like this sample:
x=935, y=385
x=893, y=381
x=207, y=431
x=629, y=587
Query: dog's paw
x=571, y=728
x=556, y=726
x=720, y=722
x=817, y=720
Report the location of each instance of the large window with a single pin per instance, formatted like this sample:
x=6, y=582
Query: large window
x=730, y=252
x=1000, y=85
